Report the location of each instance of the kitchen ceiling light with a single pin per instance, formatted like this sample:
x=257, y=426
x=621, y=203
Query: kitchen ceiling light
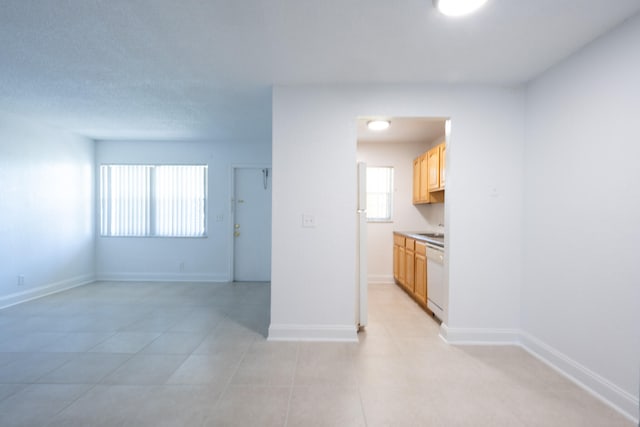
x=458, y=7
x=378, y=124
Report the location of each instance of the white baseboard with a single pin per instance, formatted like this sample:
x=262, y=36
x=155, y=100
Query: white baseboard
x=479, y=336
x=600, y=387
x=622, y=401
x=161, y=277
x=48, y=289
x=288, y=332
x=380, y=279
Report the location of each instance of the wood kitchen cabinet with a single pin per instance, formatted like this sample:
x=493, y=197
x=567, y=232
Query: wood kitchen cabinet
x=409, y=264
x=433, y=160
x=410, y=267
x=424, y=175
x=429, y=176
x=420, y=289
x=443, y=159
x=399, y=259
x=416, y=180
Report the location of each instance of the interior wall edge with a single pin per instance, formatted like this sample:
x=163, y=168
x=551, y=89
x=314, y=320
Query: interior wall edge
x=479, y=336
x=380, y=279
x=161, y=277
x=590, y=381
x=299, y=332
x=609, y=393
x=44, y=290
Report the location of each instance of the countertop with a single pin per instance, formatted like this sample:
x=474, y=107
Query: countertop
x=420, y=235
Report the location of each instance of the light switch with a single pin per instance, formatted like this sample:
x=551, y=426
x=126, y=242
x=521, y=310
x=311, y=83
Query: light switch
x=308, y=221
x=219, y=218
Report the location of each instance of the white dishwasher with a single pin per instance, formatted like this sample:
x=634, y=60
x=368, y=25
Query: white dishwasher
x=435, y=280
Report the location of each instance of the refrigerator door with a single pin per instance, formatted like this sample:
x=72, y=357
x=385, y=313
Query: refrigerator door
x=362, y=296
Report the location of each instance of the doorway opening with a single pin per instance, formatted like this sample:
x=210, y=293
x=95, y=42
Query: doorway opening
x=404, y=148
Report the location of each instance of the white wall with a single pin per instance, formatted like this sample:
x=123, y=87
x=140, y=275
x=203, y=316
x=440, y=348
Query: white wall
x=205, y=259
x=406, y=216
x=46, y=209
x=314, y=154
x=581, y=294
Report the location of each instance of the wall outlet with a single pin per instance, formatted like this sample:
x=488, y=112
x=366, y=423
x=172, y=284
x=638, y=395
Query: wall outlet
x=308, y=221
x=21, y=280
x=181, y=266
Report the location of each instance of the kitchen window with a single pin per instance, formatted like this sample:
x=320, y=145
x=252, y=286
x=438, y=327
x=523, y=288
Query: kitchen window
x=153, y=200
x=379, y=194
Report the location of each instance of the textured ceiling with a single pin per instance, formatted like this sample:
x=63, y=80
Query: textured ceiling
x=163, y=69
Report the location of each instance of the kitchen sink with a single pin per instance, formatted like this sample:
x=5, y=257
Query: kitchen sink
x=433, y=235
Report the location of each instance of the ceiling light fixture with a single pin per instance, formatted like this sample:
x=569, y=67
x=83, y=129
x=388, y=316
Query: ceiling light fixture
x=378, y=125
x=458, y=7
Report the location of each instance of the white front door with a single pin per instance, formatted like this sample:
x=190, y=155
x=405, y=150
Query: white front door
x=252, y=224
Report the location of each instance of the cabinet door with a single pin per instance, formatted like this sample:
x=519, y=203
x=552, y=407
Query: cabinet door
x=424, y=177
x=433, y=159
x=396, y=261
x=409, y=264
x=410, y=272
x=421, y=277
x=443, y=160
x=416, y=180
x=402, y=262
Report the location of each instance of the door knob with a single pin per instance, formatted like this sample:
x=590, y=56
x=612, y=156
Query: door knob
x=237, y=226
x=236, y=234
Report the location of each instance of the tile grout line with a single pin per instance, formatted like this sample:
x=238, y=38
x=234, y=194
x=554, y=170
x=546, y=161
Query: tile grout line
x=87, y=391
x=359, y=387
x=293, y=380
x=235, y=371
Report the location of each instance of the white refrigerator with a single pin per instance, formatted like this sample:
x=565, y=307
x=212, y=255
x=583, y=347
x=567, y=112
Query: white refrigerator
x=361, y=258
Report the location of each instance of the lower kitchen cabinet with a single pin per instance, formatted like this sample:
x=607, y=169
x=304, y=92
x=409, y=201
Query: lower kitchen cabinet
x=420, y=289
x=399, y=259
x=410, y=267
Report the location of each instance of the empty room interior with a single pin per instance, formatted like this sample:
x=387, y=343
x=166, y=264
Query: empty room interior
x=362, y=213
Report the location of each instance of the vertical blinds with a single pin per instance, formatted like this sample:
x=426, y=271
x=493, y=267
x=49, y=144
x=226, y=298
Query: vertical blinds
x=180, y=200
x=150, y=200
x=379, y=193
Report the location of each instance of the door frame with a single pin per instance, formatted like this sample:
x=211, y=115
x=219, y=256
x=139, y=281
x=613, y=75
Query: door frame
x=232, y=213
x=448, y=119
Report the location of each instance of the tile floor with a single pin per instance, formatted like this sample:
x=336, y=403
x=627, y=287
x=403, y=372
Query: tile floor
x=176, y=354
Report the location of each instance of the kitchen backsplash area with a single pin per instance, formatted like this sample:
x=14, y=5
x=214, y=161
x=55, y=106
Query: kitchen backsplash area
x=434, y=214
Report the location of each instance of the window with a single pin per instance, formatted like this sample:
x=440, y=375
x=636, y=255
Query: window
x=379, y=193
x=153, y=200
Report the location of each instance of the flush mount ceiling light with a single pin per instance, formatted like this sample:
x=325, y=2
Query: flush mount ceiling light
x=458, y=7
x=378, y=124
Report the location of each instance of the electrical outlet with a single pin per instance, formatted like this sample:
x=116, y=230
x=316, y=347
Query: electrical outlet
x=21, y=280
x=181, y=266
x=308, y=221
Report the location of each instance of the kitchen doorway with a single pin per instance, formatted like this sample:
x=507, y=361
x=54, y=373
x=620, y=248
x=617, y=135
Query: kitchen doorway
x=398, y=147
x=251, y=211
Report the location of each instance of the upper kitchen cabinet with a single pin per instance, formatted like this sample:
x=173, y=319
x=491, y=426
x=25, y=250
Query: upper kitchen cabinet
x=429, y=176
x=433, y=161
x=443, y=159
x=416, y=180
x=424, y=175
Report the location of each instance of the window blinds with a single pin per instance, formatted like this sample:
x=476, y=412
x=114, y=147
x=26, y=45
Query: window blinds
x=148, y=200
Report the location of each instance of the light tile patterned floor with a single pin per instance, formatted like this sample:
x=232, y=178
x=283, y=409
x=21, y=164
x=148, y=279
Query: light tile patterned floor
x=181, y=354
